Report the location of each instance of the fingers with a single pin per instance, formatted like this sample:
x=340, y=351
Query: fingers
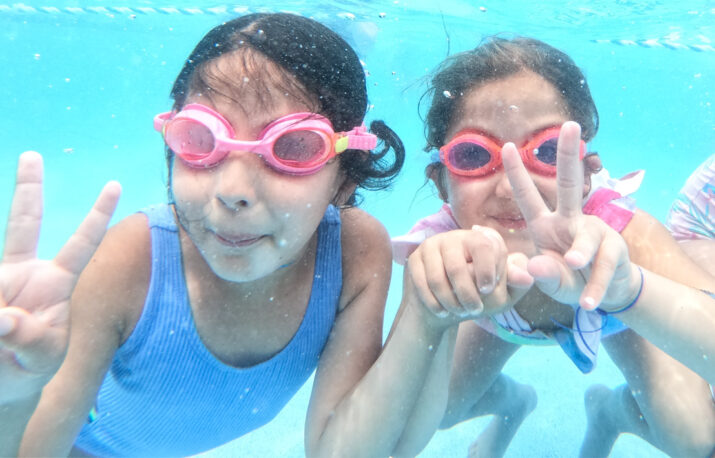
x=518, y=276
x=589, y=234
x=36, y=347
x=23, y=225
x=488, y=255
x=78, y=250
x=440, y=270
x=526, y=195
x=415, y=271
x=611, y=263
x=548, y=274
x=569, y=170
x=463, y=273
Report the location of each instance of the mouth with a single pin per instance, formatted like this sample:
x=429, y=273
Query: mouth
x=510, y=222
x=238, y=241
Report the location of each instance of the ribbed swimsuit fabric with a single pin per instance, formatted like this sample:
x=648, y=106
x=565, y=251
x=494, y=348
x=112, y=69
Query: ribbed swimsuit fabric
x=166, y=394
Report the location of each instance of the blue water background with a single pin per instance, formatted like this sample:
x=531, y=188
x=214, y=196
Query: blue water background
x=82, y=87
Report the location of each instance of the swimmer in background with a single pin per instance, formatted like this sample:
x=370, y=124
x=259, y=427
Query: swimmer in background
x=691, y=219
x=195, y=322
x=528, y=250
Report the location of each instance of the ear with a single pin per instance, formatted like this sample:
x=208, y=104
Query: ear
x=591, y=164
x=435, y=172
x=344, y=192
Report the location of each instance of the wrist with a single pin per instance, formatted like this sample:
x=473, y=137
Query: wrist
x=427, y=325
x=639, y=281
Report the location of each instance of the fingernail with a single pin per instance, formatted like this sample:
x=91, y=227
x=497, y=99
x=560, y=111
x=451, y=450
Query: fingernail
x=589, y=302
x=576, y=257
x=7, y=324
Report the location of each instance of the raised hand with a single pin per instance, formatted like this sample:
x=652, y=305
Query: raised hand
x=582, y=260
x=34, y=293
x=462, y=274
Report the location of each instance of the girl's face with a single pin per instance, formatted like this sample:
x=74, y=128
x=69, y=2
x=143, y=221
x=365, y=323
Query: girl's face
x=245, y=218
x=512, y=109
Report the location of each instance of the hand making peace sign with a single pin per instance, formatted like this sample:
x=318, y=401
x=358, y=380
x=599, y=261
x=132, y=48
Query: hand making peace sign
x=582, y=260
x=35, y=293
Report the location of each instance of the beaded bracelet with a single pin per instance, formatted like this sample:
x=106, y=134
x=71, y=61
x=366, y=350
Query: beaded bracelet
x=633, y=302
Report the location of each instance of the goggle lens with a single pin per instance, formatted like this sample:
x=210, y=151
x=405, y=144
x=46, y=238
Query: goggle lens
x=546, y=152
x=189, y=139
x=469, y=156
x=300, y=147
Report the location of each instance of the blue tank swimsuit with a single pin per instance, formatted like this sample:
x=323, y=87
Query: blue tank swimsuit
x=165, y=394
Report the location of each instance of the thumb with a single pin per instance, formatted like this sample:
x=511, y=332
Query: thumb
x=548, y=273
x=37, y=347
x=518, y=279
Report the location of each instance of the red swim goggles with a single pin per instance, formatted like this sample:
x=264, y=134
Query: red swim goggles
x=472, y=154
x=297, y=144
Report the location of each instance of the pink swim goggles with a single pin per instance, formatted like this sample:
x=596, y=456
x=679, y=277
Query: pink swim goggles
x=473, y=154
x=297, y=144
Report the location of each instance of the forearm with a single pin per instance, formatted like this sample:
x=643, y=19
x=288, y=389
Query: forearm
x=371, y=419
x=679, y=320
x=702, y=252
x=15, y=417
x=429, y=409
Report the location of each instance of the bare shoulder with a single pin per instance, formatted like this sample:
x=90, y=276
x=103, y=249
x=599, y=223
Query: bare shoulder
x=114, y=284
x=367, y=254
x=650, y=245
x=107, y=297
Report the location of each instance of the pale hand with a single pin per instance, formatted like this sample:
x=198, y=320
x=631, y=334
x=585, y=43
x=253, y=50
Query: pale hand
x=463, y=274
x=35, y=293
x=581, y=259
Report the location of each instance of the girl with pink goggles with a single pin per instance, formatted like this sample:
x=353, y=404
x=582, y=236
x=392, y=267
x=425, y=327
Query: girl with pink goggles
x=296, y=144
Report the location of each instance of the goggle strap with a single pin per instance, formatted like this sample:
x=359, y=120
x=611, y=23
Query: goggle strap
x=358, y=138
x=160, y=121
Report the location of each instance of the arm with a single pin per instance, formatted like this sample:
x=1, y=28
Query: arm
x=34, y=297
x=651, y=246
x=671, y=312
x=702, y=252
x=677, y=319
x=104, y=309
x=357, y=408
x=364, y=409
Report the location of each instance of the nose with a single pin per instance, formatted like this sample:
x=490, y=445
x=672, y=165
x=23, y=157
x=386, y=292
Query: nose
x=237, y=180
x=503, y=188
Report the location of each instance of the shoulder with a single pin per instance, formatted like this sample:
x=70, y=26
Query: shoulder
x=114, y=284
x=359, y=229
x=366, y=253
x=103, y=301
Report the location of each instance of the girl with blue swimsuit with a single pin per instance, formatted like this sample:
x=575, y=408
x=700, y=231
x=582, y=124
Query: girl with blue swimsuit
x=195, y=322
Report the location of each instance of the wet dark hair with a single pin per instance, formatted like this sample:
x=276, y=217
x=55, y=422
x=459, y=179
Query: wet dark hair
x=306, y=61
x=496, y=58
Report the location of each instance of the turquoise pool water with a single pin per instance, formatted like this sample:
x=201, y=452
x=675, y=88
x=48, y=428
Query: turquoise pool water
x=81, y=82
